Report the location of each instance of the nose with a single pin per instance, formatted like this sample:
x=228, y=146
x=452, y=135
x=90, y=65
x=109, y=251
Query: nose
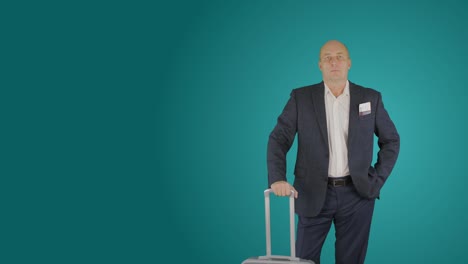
x=333, y=59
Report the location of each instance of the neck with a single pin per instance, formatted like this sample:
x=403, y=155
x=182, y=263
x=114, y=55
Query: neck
x=336, y=87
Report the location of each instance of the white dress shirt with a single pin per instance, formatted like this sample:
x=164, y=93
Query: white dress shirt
x=337, y=110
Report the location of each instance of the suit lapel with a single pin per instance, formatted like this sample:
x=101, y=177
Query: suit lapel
x=318, y=98
x=356, y=98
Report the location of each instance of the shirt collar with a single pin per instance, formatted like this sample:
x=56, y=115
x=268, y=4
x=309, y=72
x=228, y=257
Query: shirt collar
x=345, y=91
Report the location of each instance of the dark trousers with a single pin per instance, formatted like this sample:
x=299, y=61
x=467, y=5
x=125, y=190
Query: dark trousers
x=352, y=217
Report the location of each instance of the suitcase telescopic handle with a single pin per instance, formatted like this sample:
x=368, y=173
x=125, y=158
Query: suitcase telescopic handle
x=291, y=225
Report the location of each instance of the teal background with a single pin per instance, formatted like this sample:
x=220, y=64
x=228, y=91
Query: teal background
x=136, y=132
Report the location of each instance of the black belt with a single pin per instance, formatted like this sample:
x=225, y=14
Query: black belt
x=341, y=181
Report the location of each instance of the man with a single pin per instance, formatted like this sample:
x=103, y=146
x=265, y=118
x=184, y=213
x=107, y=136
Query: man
x=335, y=122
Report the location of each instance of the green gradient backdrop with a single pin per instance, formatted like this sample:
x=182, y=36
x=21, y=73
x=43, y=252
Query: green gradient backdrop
x=136, y=132
x=229, y=72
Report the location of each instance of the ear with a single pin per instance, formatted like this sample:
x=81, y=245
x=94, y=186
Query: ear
x=349, y=64
x=320, y=65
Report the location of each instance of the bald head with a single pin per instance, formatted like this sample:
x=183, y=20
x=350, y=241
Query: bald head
x=334, y=62
x=333, y=45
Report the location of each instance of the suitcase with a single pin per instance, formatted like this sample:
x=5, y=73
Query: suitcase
x=275, y=259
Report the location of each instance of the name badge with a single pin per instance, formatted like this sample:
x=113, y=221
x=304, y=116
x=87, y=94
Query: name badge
x=364, y=109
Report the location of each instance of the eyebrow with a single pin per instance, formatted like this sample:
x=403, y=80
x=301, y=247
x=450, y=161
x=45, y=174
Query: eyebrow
x=328, y=53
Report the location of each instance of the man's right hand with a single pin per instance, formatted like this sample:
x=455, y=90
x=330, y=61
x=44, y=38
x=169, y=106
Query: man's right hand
x=283, y=188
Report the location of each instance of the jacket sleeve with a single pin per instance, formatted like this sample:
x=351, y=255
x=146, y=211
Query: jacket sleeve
x=389, y=147
x=281, y=140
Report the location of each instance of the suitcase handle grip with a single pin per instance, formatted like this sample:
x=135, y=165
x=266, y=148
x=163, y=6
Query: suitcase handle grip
x=291, y=224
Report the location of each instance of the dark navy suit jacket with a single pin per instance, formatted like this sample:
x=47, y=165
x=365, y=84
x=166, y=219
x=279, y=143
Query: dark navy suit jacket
x=304, y=115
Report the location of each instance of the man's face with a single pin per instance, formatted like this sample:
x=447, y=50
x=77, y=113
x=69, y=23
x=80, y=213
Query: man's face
x=334, y=62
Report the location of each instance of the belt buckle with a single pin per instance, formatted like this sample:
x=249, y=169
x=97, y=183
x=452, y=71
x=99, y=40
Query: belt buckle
x=340, y=182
